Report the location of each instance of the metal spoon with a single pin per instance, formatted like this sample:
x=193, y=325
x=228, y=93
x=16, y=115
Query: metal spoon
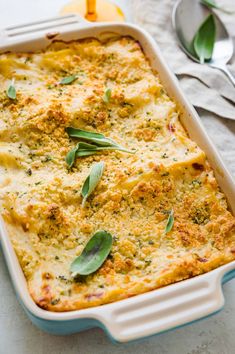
x=187, y=17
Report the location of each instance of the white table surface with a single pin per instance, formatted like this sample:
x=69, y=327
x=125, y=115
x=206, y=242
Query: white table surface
x=215, y=335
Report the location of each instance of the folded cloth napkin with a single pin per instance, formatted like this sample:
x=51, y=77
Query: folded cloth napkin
x=206, y=87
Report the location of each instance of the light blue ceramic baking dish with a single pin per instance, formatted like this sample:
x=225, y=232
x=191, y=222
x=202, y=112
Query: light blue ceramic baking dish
x=159, y=310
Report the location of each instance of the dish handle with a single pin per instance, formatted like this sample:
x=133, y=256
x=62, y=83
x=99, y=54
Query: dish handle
x=49, y=27
x=166, y=308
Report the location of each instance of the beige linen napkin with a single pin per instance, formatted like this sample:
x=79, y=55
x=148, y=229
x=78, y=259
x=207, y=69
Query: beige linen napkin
x=206, y=87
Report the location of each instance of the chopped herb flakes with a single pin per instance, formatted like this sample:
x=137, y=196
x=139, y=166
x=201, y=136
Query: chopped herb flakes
x=55, y=301
x=164, y=156
x=29, y=172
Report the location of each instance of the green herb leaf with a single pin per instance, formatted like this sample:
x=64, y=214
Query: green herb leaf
x=96, y=138
x=204, y=39
x=92, y=180
x=212, y=4
x=93, y=255
x=80, y=150
x=209, y=3
x=84, y=149
x=170, y=222
x=107, y=95
x=68, y=80
x=11, y=91
x=71, y=156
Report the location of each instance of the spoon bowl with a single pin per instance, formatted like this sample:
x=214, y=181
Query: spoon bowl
x=187, y=17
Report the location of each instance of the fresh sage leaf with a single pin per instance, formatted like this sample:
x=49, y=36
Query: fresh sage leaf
x=84, y=149
x=99, y=143
x=212, y=4
x=71, y=157
x=68, y=80
x=80, y=150
x=204, y=39
x=96, y=138
x=11, y=91
x=92, y=180
x=93, y=255
x=170, y=222
x=107, y=95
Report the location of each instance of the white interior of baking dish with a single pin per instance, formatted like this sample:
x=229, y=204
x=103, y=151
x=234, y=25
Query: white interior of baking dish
x=164, y=308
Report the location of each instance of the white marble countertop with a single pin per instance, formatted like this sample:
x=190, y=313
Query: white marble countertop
x=215, y=335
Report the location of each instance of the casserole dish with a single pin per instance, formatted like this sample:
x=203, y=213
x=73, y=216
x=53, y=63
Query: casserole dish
x=159, y=310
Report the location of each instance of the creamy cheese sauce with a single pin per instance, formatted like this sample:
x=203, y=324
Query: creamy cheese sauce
x=41, y=198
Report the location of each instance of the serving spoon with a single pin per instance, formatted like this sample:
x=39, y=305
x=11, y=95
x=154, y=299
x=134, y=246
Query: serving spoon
x=187, y=17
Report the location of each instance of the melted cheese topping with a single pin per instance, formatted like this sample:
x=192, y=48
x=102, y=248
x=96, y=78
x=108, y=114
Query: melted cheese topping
x=41, y=198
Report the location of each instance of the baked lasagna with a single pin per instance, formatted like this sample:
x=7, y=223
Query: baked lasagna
x=157, y=196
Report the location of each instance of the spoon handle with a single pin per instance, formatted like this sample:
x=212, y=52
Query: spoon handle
x=225, y=70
